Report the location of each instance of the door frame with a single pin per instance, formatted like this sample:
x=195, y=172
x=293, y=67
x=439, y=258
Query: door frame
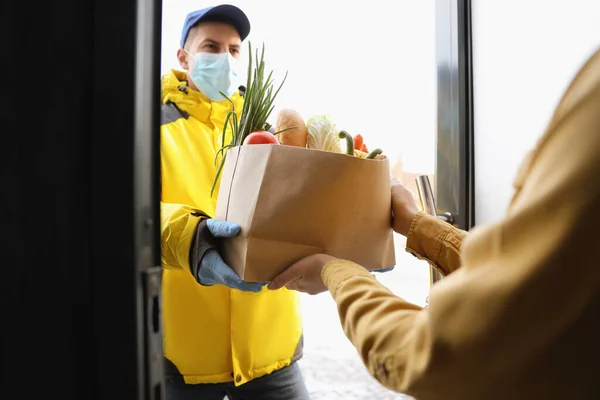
x=454, y=170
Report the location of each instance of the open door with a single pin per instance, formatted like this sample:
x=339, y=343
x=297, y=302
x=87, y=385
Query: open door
x=81, y=282
x=455, y=157
x=453, y=199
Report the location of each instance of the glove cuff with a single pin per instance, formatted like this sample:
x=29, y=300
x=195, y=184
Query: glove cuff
x=202, y=241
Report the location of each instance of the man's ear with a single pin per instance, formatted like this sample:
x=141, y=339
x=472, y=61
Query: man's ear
x=182, y=56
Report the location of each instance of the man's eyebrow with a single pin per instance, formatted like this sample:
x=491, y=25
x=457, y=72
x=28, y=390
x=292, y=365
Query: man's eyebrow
x=209, y=40
x=212, y=41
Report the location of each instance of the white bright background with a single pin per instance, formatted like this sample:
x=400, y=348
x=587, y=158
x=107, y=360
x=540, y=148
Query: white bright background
x=525, y=53
x=371, y=67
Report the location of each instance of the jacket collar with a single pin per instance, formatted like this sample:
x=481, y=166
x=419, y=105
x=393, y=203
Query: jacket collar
x=175, y=89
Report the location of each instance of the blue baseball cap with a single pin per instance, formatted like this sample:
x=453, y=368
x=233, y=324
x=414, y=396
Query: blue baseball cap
x=223, y=13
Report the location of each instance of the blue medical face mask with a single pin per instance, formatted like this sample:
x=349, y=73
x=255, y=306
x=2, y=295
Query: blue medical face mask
x=214, y=73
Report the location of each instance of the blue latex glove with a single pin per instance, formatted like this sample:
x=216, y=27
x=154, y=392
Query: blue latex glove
x=213, y=270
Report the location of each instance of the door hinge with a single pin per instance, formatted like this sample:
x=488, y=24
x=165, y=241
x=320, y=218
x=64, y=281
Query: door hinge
x=154, y=365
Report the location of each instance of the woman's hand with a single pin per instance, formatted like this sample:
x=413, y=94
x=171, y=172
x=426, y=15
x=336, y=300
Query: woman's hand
x=404, y=207
x=303, y=276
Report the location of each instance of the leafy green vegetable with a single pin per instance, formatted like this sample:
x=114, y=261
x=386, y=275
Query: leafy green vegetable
x=258, y=106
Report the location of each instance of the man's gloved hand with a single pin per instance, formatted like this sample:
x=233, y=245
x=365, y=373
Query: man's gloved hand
x=206, y=262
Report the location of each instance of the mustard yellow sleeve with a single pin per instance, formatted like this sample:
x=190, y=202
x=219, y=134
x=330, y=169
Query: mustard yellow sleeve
x=436, y=242
x=178, y=225
x=519, y=318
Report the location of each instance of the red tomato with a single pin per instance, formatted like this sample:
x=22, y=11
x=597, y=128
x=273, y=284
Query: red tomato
x=261, y=137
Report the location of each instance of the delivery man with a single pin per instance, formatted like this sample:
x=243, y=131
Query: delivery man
x=222, y=336
x=518, y=316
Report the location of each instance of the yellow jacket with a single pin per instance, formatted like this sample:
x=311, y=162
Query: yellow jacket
x=520, y=318
x=211, y=334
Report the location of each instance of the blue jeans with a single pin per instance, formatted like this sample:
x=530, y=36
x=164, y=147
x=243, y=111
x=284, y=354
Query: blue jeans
x=284, y=384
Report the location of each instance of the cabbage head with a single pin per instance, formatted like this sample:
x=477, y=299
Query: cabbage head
x=323, y=134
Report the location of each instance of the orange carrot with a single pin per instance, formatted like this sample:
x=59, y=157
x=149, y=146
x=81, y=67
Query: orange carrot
x=364, y=148
x=358, y=141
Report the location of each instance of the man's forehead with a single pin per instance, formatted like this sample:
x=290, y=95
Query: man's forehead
x=216, y=31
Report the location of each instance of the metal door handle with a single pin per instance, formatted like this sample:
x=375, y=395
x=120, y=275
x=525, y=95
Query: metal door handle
x=428, y=203
x=446, y=217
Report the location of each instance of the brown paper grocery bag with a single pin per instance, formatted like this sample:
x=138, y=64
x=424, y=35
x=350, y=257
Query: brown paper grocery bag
x=292, y=202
